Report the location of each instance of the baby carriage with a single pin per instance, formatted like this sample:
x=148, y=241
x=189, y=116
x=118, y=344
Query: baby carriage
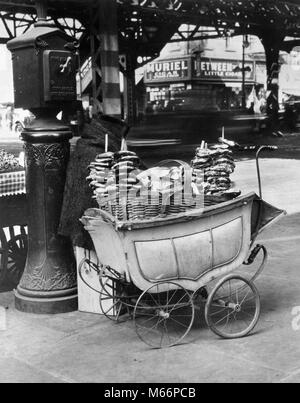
x=157, y=271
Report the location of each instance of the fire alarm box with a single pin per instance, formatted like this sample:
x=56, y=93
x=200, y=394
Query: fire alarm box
x=44, y=68
x=59, y=74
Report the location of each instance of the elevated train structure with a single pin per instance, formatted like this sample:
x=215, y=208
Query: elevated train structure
x=125, y=34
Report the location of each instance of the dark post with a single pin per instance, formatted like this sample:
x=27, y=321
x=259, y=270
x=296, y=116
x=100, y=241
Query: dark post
x=272, y=42
x=129, y=88
x=244, y=75
x=246, y=44
x=45, y=83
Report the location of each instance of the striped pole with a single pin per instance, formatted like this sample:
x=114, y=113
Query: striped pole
x=109, y=54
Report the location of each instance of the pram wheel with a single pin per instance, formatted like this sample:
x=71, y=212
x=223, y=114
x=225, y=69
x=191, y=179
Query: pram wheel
x=106, y=282
x=89, y=274
x=163, y=319
x=111, y=299
x=233, y=307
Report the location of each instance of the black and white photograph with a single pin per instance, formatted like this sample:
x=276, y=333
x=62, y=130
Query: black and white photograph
x=150, y=194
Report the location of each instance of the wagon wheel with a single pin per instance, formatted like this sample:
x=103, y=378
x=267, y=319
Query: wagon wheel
x=17, y=248
x=3, y=255
x=164, y=319
x=233, y=307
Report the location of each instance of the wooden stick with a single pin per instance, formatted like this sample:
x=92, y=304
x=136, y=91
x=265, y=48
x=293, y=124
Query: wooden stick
x=106, y=142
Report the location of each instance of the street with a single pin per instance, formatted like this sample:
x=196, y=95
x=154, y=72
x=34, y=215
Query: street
x=153, y=150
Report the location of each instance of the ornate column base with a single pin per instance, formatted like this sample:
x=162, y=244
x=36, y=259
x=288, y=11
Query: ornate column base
x=50, y=304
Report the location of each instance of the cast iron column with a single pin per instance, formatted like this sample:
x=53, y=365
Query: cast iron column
x=130, y=107
x=244, y=74
x=44, y=82
x=272, y=42
x=49, y=282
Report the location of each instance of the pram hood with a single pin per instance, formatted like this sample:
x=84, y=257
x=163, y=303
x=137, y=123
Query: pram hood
x=263, y=215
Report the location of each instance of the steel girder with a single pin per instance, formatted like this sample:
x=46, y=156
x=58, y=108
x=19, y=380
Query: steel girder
x=148, y=24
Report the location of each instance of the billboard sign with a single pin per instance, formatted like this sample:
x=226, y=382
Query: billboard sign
x=168, y=71
x=224, y=70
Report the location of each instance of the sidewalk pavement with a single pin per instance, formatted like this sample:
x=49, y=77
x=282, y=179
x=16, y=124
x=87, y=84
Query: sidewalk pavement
x=80, y=347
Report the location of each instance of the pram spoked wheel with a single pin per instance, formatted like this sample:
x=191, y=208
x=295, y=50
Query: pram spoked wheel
x=110, y=298
x=163, y=319
x=106, y=282
x=233, y=307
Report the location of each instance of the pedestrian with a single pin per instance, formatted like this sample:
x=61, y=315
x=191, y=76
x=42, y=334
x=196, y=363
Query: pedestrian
x=78, y=195
x=290, y=112
x=259, y=108
x=273, y=110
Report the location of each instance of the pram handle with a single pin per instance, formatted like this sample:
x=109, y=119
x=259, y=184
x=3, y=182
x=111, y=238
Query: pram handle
x=259, y=151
